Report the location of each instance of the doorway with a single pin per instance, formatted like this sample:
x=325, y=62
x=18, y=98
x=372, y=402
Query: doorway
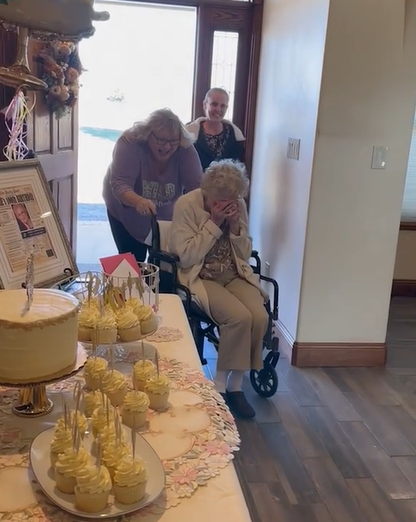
x=141, y=60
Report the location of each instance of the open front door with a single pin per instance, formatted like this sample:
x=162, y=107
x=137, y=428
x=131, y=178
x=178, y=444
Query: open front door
x=55, y=143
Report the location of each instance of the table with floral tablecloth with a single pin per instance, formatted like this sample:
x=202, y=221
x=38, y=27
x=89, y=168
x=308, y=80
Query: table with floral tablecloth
x=195, y=438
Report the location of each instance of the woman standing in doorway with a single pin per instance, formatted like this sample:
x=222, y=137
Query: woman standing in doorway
x=216, y=138
x=154, y=163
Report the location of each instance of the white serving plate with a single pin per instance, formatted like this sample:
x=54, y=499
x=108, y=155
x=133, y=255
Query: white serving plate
x=40, y=461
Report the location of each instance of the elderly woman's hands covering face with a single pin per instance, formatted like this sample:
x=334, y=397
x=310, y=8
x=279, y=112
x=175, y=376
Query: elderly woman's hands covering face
x=220, y=210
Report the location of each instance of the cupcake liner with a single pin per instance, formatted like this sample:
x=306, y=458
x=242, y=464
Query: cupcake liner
x=91, y=383
x=139, y=418
x=131, y=334
x=138, y=385
x=84, y=334
x=149, y=325
x=158, y=402
x=117, y=398
x=129, y=495
x=65, y=484
x=107, y=336
x=91, y=503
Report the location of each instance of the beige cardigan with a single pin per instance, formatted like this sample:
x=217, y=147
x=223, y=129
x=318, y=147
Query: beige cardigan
x=193, y=234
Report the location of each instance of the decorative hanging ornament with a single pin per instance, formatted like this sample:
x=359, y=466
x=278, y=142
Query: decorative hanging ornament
x=15, y=118
x=47, y=20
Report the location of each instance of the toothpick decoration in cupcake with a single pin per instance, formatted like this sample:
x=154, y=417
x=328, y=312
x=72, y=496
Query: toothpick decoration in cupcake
x=94, y=342
x=65, y=409
x=77, y=396
x=90, y=281
x=30, y=277
x=101, y=388
x=157, y=362
x=107, y=410
x=99, y=452
x=123, y=290
x=139, y=285
x=130, y=285
x=111, y=350
x=133, y=437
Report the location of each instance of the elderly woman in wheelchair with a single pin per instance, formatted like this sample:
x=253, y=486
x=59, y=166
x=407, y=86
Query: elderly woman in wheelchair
x=209, y=234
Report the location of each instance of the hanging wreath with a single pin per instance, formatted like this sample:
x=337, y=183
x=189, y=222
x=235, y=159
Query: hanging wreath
x=60, y=69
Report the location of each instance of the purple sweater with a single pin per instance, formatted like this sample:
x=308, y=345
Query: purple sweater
x=134, y=168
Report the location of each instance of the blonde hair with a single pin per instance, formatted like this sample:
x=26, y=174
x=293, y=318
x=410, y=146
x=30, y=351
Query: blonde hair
x=225, y=179
x=161, y=119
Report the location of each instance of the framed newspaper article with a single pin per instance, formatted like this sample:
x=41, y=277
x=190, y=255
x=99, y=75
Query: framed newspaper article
x=29, y=222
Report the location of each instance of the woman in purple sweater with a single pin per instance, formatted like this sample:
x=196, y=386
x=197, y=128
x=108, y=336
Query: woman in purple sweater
x=154, y=163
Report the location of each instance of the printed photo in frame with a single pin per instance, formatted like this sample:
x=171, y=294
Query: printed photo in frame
x=29, y=221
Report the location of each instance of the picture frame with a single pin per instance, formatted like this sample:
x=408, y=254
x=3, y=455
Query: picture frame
x=30, y=222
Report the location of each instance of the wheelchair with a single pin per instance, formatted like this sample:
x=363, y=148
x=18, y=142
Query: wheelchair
x=265, y=381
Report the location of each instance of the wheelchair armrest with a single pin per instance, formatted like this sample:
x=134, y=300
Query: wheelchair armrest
x=256, y=257
x=275, y=306
x=166, y=257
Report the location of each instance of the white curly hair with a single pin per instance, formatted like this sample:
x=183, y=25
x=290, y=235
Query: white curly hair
x=162, y=119
x=225, y=179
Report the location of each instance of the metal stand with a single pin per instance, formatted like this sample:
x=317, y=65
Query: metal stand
x=33, y=402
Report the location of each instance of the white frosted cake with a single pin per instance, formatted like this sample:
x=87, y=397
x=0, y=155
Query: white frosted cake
x=38, y=342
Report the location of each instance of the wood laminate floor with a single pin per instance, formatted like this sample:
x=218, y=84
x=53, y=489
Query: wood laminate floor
x=336, y=445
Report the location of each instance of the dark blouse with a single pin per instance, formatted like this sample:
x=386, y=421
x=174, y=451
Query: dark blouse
x=220, y=146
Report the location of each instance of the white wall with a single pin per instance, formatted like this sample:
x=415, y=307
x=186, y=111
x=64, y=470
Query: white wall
x=336, y=286
x=288, y=93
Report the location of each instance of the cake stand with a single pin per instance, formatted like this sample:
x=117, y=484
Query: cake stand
x=33, y=398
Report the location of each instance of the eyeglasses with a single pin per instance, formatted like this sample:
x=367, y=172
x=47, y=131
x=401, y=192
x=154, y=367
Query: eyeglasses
x=162, y=143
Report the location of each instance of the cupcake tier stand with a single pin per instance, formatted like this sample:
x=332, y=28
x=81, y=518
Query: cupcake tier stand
x=118, y=348
x=33, y=397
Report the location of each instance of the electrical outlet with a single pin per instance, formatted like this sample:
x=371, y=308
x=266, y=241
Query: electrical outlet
x=293, y=148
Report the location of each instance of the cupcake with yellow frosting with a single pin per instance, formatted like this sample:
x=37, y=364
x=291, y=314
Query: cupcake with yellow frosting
x=106, y=328
x=134, y=410
x=82, y=422
x=68, y=467
x=61, y=441
x=87, y=318
x=142, y=371
x=101, y=420
x=128, y=325
x=115, y=386
x=130, y=481
x=135, y=305
x=92, y=400
x=148, y=319
x=157, y=389
x=113, y=453
x=93, y=370
x=93, y=486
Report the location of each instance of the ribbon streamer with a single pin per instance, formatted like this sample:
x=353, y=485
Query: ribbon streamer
x=30, y=278
x=16, y=115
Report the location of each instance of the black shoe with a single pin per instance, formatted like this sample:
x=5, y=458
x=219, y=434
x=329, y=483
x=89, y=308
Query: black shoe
x=239, y=405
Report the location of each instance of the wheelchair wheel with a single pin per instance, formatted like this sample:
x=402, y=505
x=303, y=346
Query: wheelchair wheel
x=265, y=381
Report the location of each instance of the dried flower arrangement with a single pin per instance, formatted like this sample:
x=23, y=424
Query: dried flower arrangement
x=60, y=67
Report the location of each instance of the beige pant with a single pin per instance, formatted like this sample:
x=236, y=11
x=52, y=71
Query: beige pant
x=238, y=309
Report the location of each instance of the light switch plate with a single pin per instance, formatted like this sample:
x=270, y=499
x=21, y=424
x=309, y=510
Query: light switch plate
x=379, y=159
x=293, y=148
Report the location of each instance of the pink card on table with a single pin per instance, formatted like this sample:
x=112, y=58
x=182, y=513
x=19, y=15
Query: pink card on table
x=120, y=265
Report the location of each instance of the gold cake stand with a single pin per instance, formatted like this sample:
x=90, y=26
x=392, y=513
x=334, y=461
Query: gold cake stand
x=33, y=398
